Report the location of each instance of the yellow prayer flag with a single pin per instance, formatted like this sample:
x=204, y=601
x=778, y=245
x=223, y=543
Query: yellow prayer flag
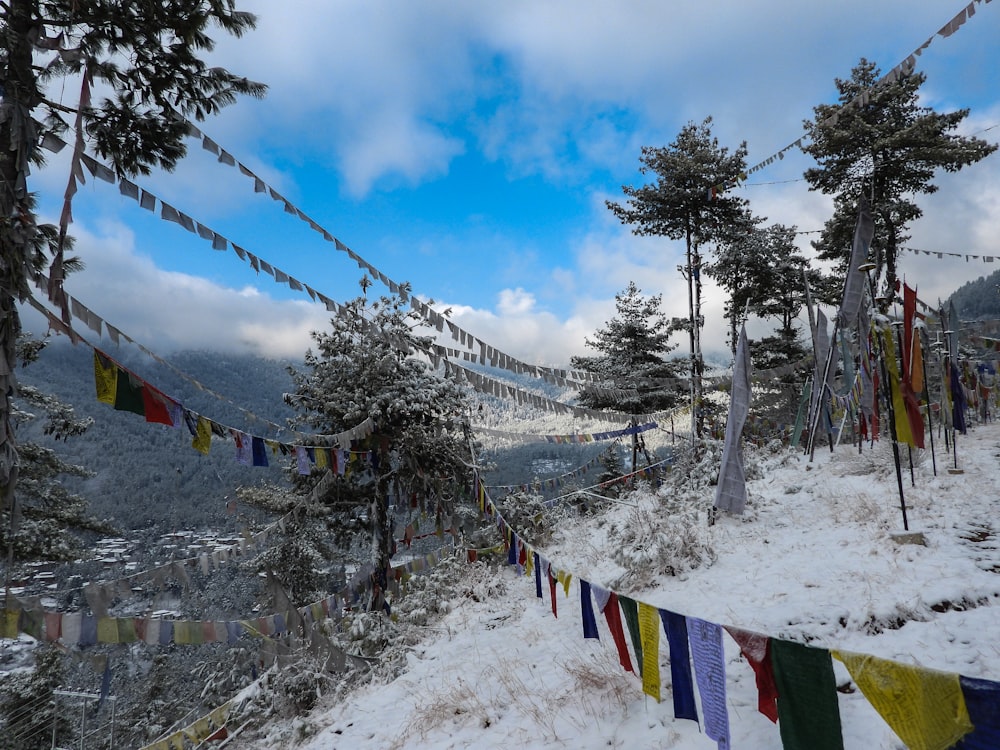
x=529, y=562
x=903, y=432
x=8, y=623
x=564, y=578
x=322, y=457
x=105, y=378
x=107, y=630
x=649, y=636
x=924, y=707
x=202, y=440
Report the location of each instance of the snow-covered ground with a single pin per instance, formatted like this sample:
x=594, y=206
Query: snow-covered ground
x=812, y=561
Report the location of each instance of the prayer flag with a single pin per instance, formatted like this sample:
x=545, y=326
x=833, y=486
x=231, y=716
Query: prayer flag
x=756, y=649
x=808, y=711
x=631, y=612
x=924, y=707
x=128, y=393
x=587, y=612
x=710, y=673
x=538, y=575
x=613, y=617
x=649, y=634
x=105, y=378
x=675, y=626
x=958, y=401
x=155, y=405
x=731, y=491
x=259, y=451
x=202, y=440
x=982, y=699
x=854, y=284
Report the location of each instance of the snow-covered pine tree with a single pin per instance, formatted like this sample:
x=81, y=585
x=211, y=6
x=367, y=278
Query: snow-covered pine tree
x=633, y=348
x=687, y=202
x=48, y=513
x=888, y=149
x=420, y=451
x=146, y=58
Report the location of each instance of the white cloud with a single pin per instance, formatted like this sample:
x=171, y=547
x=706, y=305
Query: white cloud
x=165, y=311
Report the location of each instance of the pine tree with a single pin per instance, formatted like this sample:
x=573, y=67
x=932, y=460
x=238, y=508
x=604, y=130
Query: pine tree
x=887, y=148
x=420, y=451
x=27, y=711
x=146, y=56
x=683, y=205
x=633, y=346
x=763, y=272
x=48, y=512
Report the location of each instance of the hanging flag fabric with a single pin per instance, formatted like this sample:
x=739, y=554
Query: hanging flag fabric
x=710, y=674
x=982, y=699
x=649, y=635
x=259, y=451
x=756, y=649
x=538, y=576
x=924, y=707
x=958, y=401
x=612, y=615
x=800, y=415
x=675, y=626
x=731, y=491
x=808, y=711
x=105, y=378
x=128, y=393
x=854, y=284
x=552, y=590
x=917, y=364
x=631, y=612
x=587, y=611
x=952, y=331
x=202, y=440
x=157, y=405
x=901, y=408
x=819, y=408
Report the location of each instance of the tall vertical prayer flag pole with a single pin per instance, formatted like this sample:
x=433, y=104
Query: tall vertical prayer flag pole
x=850, y=305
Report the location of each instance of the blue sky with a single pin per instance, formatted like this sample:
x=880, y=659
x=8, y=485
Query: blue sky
x=469, y=148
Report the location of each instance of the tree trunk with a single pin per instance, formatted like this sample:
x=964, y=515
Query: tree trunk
x=382, y=544
x=17, y=228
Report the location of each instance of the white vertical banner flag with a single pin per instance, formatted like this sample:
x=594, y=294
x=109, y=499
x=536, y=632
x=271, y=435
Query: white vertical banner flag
x=731, y=492
x=710, y=674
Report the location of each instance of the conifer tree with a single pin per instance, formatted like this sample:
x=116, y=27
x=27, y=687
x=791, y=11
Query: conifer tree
x=633, y=348
x=887, y=148
x=420, y=452
x=682, y=204
x=146, y=56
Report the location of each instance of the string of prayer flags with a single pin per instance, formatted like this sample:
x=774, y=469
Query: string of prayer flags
x=132, y=393
x=795, y=683
x=219, y=242
x=82, y=313
x=924, y=707
x=808, y=712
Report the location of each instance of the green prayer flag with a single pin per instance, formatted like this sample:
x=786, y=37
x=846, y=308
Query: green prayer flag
x=808, y=711
x=631, y=611
x=128, y=393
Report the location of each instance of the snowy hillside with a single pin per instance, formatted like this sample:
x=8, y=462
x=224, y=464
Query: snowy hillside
x=813, y=562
